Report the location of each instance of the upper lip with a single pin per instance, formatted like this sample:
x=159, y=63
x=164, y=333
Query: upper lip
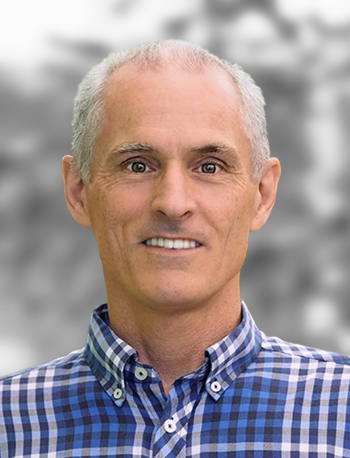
x=171, y=237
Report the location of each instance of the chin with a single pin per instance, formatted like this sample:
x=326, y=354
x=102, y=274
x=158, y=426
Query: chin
x=176, y=296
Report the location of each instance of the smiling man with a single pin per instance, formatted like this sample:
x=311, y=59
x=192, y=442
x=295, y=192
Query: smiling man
x=171, y=171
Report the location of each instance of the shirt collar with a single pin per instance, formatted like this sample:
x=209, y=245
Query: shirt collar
x=107, y=354
x=230, y=356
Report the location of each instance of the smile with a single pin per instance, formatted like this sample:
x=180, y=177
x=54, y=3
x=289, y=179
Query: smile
x=175, y=244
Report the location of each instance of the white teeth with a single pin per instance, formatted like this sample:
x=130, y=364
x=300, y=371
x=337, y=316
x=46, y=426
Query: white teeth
x=177, y=244
x=168, y=243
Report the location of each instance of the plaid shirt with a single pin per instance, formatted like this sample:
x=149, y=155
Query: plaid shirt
x=254, y=396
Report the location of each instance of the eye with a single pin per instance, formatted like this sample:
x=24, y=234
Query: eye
x=136, y=166
x=210, y=167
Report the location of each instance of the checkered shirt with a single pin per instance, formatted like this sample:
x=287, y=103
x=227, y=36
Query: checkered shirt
x=254, y=396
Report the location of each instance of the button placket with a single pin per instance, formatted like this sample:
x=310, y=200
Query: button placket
x=173, y=427
x=170, y=426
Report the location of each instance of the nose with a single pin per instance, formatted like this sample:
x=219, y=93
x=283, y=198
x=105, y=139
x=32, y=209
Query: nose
x=174, y=194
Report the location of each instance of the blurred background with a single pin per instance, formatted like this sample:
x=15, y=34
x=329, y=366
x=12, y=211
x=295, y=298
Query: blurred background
x=296, y=277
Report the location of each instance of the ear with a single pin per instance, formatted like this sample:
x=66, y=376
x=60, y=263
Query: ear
x=74, y=191
x=266, y=193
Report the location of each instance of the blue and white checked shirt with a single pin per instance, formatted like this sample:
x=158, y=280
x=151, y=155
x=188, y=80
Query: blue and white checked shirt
x=254, y=396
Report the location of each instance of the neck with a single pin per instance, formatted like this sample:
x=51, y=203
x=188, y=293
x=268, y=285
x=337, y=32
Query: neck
x=174, y=343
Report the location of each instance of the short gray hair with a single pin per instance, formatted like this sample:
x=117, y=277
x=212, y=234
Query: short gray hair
x=89, y=102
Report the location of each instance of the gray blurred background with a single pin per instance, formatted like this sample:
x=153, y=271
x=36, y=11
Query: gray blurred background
x=296, y=277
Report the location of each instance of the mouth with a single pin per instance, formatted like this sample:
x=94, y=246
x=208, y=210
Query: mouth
x=172, y=244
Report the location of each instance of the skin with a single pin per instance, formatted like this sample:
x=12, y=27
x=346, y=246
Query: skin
x=172, y=304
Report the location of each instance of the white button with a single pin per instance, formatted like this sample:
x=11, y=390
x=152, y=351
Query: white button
x=215, y=386
x=170, y=426
x=118, y=393
x=141, y=374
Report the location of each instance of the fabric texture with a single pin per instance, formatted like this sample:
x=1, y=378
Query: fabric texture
x=255, y=396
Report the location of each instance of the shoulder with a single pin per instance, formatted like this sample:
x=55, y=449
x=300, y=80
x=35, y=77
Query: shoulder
x=45, y=401
x=303, y=366
x=299, y=376
x=278, y=348
x=30, y=397
x=60, y=371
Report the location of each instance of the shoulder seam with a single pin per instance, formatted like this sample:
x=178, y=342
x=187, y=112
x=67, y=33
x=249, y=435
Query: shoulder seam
x=74, y=355
x=314, y=353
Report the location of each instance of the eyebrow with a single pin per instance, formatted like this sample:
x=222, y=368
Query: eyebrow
x=210, y=148
x=126, y=148
x=216, y=148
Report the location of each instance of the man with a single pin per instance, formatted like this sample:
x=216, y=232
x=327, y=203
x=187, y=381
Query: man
x=171, y=170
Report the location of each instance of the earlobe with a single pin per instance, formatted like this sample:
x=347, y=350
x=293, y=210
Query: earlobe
x=266, y=193
x=74, y=191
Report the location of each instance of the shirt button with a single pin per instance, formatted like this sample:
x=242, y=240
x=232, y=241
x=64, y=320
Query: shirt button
x=118, y=393
x=215, y=386
x=141, y=374
x=170, y=426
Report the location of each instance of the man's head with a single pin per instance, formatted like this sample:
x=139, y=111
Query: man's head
x=172, y=160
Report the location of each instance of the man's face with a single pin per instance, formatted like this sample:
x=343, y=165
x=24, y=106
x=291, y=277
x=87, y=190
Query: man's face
x=172, y=161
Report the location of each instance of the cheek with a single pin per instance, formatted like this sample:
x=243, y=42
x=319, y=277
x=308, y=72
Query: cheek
x=103, y=219
x=114, y=216
x=107, y=209
x=233, y=222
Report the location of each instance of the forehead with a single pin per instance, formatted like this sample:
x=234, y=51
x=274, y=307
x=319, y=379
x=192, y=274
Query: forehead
x=174, y=103
x=212, y=88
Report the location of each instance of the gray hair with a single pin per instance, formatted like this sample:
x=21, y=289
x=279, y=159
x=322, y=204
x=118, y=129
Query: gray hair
x=88, y=113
